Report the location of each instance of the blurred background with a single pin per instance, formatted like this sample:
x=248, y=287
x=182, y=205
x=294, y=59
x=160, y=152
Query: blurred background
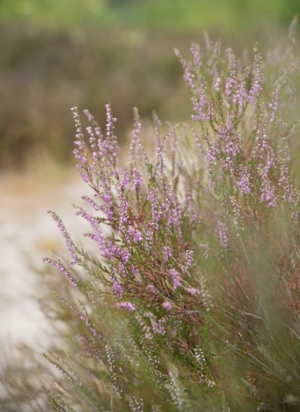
x=57, y=54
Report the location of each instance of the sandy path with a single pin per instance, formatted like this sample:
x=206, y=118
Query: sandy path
x=26, y=234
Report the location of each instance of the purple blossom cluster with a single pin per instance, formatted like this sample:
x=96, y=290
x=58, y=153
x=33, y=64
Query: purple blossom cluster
x=167, y=253
x=223, y=235
x=175, y=278
x=178, y=236
x=137, y=209
x=141, y=203
x=65, y=234
x=62, y=269
x=167, y=305
x=126, y=305
x=236, y=96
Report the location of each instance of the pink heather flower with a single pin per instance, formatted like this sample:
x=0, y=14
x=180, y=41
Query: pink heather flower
x=84, y=177
x=167, y=253
x=135, y=270
x=156, y=211
x=137, y=178
x=126, y=305
x=68, y=241
x=189, y=256
x=257, y=80
x=222, y=231
x=194, y=291
x=91, y=328
x=167, y=305
x=135, y=234
x=175, y=277
x=172, y=206
x=91, y=203
x=274, y=105
x=217, y=85
x=160, y=328
x=62, y=269
x=123, y=269
x=195, y=50
x=204, y=246
x=244, y=184
x=125, y=179
x=152, y=289
x=118, y=290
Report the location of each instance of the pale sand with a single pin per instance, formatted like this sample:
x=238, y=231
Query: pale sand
x=27, y=234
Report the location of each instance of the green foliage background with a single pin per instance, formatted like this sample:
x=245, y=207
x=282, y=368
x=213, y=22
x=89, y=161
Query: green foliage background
x=174, y=14
x=57, y=54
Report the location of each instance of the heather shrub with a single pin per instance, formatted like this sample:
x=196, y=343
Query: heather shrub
x=190, y=299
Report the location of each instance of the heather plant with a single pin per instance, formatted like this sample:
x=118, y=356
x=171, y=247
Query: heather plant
x=190, y=300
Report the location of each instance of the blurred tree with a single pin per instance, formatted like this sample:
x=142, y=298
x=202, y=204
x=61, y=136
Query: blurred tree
x=242, y=11
x=52, y=11
x=121, y=3
x=289, y=9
